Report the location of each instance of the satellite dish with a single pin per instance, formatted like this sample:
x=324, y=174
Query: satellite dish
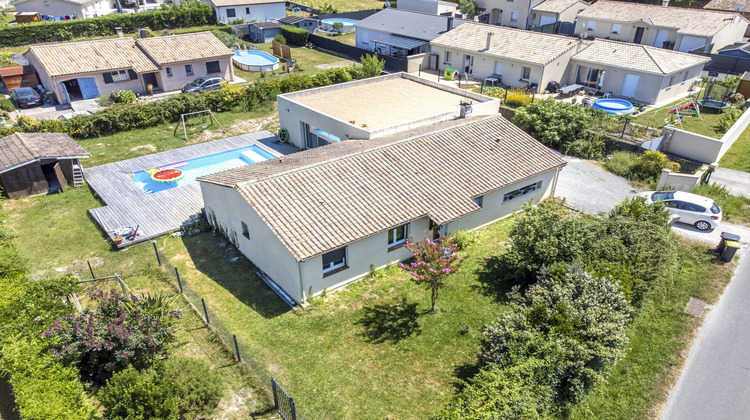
x=738, y=7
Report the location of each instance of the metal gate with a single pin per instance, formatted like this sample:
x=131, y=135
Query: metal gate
x=282, y=401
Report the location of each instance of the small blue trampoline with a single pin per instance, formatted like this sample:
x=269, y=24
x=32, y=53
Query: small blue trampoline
x=614, y=106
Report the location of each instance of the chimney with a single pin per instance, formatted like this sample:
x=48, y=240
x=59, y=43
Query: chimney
x=489, y=40
x=665, y=3
x=450, y=23
x=118, y=32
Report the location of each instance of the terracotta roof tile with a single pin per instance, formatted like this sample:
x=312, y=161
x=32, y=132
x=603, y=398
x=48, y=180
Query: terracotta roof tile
x=728, y=5
x=638, y=57
x=185, y=47
x=325, y=198
x=557, y=6
x=92, y=56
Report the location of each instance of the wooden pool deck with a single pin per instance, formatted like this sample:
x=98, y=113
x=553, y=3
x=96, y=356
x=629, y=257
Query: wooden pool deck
x=164, y=211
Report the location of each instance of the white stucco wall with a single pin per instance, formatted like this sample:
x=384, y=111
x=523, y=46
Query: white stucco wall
x=730, y=34
x=365, y=37
x=433, y=7
x=263, y=248
x=62, y=8
x=179, y=77
x=521, y=7
x=257, y=12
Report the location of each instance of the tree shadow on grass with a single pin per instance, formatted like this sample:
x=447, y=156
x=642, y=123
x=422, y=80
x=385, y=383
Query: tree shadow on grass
x=389, y=322
x=496, y=278
x=464, y=372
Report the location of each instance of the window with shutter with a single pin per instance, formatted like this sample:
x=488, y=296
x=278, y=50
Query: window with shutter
x=133, y=75
x=213, y=67
x=107, y=77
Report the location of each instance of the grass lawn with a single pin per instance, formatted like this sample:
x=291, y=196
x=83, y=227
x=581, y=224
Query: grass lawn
x=734, y=209
x=738, y=156
x=349, y=38
x=134, y=143
x=706, y=125
x=306, y=58
x=660, y=336
x=346, y=5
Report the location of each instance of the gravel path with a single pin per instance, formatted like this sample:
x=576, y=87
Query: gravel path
x=590, y=188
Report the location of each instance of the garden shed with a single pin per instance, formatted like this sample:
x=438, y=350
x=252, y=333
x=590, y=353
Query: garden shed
x=37, y=163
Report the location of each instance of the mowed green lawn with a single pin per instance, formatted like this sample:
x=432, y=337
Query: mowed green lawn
x=706, y=124
x=738, y=156
x=306, y=58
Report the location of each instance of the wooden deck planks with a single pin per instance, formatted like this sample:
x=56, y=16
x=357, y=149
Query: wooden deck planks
x=165, y=211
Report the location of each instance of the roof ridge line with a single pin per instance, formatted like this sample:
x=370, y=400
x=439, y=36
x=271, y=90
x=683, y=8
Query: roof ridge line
x=243, y=184
x=26, y=145
x=648, y=51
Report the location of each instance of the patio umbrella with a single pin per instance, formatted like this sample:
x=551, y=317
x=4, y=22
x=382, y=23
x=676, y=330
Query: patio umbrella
x=601, y=79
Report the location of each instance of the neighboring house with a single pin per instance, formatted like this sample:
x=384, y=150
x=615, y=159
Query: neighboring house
x=740, y=49
x=432, y=7
x=89, y=69
x=183, y=58
x=18, y=76
x=264, y=31
x=38, y=163
x=340, y=210
x=520, y=57
x=374, y=107
x=304, y=22
x=646, y=74
x=248, y=10
x=674, y=28
x=510, y=13
x=553, y=11
x=60, y=8
x=399, y=32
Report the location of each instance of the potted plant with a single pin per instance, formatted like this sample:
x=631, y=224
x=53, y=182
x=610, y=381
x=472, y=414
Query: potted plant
x=117, y=239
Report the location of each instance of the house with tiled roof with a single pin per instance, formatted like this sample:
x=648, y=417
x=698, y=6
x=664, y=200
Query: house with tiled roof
x=248, y=10
x=89, y=69
x=38, y=163
x=553, y=11
x=520, y=57
x=675, y=28
x=646, y=74
x=79, y=9
x=321, y=218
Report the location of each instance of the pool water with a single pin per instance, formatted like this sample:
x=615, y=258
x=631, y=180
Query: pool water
x=198, y=167
x=255, y=61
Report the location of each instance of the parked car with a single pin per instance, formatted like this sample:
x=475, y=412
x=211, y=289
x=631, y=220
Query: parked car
x=25, y=97
x=692, y=209
x=199, y=84
x=70, y=115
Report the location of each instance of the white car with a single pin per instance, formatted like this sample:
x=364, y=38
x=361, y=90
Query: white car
x=692, y=209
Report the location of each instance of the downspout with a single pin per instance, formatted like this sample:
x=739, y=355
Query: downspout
x=301, y=289
x=541, y=79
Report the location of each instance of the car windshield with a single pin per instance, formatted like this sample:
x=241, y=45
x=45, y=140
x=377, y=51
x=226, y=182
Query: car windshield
x=660, y=195
x=715, y=209
x=25, y=93
x=196, y=82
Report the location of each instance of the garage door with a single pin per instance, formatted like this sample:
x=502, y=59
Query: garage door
x=691, y=42
x=88, y=88
x=546, y=20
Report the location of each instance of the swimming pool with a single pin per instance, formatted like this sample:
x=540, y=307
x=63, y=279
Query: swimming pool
x=194, y=168
x=327, y=24
x=255, y=61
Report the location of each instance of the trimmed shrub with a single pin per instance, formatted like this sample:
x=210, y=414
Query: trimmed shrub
x=225, y=38
x=123, y=96
x=622, y=164
x=279, y=38
x=139, y=395
x=645, y=167
x=198, y=388
x=193, y=13
x=294, y=35
x=7, y=105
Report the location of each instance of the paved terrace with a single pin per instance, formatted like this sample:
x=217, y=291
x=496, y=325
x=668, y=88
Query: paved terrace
x=165, y=211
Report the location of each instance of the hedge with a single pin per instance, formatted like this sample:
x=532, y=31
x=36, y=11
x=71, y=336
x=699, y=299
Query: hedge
x=294, y=35
x=123, y=117
x=175, y=16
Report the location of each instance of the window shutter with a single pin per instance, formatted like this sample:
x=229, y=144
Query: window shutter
x=107, y=77
x=213, y=67
x=133, y=75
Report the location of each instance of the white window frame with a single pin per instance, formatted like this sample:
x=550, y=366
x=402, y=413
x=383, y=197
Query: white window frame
x=393, y=237
x=120, y=76
x=514, y=16
x=520, y=192
x=335, y=263
x=169, y=71
x=447, y=57
x=188, y=69
x=591, y=25
x=616, y=29
x=523, y=70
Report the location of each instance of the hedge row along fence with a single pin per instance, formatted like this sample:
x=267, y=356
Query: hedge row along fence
x=294, y=35
x=175, y=16
x=124, y=117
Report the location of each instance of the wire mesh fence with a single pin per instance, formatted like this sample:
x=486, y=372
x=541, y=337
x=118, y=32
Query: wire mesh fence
x=214, y=323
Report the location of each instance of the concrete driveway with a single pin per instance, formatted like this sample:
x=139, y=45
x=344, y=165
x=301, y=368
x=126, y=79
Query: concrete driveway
x=736, y=182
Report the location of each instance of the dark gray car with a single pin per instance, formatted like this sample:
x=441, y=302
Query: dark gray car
x=199, y=84
x=25, y=97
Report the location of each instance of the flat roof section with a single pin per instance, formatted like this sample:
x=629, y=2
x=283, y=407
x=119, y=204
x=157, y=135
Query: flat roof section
x=385, y=102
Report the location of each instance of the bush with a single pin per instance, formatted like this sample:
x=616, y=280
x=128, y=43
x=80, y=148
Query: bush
x=122, y=331
x=517, y=98
x=7, y=105
x=727, y=119
x=464, y=239
x=555, y=124
x=139, y=395
x=198, y=388
x=731, y=206
x=591, y=147
x=279, y=38
x=294, y=35
x=187, y=14
x=645, y=167
x=123, y=96
x=622, y=163
x=225, y=38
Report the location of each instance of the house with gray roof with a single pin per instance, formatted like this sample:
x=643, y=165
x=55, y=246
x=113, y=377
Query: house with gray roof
x=321, y=218
x=401, y=33
x=38, y=163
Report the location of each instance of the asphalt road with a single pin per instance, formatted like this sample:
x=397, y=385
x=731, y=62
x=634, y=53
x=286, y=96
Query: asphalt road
x=715, y=382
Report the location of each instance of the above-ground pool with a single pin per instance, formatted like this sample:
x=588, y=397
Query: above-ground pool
x=614, y=106
x=193, y=168
x=327, y=24
x=255, y=61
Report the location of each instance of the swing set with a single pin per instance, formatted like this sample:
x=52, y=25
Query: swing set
x=205, y=113
x=690, y=108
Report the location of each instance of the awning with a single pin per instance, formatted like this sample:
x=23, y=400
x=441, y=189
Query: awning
x=400, y=42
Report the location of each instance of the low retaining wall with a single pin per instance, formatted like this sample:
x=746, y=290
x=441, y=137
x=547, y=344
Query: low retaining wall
x=702, y=148
x=681, y=182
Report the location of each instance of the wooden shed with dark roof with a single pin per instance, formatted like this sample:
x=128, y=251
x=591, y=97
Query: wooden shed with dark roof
x=38, y=163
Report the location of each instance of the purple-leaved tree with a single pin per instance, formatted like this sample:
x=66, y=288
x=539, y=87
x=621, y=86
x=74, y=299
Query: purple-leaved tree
x=434, y=261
